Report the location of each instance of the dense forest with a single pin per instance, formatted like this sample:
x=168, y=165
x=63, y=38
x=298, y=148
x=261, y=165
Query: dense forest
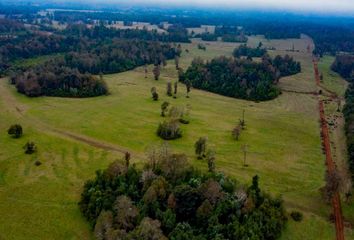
x=69, y=76
x=169, y=199
x=241, y=78
x=175, y=33
x=55, y=79
x=344, y=65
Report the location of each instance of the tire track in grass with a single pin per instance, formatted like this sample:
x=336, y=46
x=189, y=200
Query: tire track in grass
x=18, y=109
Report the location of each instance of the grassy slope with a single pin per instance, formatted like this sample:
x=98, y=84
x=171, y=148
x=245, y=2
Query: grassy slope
x=283, y=138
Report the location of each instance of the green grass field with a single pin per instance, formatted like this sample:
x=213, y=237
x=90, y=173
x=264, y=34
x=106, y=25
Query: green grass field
x=283, y=135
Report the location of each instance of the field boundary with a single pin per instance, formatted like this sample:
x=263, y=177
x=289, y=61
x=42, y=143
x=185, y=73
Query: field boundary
x=336, y=203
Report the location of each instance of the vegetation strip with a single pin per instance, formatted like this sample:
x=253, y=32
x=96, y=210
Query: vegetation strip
x=337, y=209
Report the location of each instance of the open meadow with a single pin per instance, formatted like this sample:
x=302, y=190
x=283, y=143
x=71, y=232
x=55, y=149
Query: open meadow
x=76, y=137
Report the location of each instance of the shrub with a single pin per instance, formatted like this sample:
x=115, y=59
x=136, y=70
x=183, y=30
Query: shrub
x=15, y=131
x=169, y=130
x=296, y=216
x=30, y=147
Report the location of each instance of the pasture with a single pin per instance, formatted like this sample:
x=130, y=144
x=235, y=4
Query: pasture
x=76, y=137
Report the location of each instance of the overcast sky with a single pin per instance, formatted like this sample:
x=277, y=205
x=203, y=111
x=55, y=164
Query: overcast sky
x=296, y=5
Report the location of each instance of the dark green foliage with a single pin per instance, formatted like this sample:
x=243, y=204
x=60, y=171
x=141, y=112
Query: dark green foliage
x=51, y=79
x=241, y=78
x=169, y=130
x=201, y=46
x=296, y=216
x=286, y=65
x=69, y=76
x=30, y=147
x=234, y=38
x=200, y=147
x=15, y=131
x=208, y=37
x=178, y=202
x=344, y=66
x=169, y=89
x=243, y=50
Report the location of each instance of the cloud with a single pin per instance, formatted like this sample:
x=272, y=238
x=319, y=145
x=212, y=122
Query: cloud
x=298, y=5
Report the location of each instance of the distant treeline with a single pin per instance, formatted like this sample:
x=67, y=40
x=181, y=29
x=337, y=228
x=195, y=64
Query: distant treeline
x=241, y=78
x=344, y=65
x=227, y=34
x=243, y=50
x=175, y=33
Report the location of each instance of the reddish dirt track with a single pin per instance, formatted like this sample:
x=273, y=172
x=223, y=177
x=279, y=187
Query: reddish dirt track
x=336, y=204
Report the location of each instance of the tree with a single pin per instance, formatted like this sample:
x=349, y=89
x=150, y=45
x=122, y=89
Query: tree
x=200, y=147
x=210, y=157
x=127, y=156
x=188, y=88
x=156, y=72
x=175, y=89
x=169, y=130
x=30, y=147
x=177, y=62
x=155, y=95
x=145, y=70
x=244, y=148
x=103, y=225
x=236, y=132
x=126, y=213
x=15, y=131
x=169, y=89
x=164, y=107
x=148, y=229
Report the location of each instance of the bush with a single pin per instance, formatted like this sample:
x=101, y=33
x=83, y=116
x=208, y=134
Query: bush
x=30, y=147
x=15, y=131
x=169, y=130
x=296, y=216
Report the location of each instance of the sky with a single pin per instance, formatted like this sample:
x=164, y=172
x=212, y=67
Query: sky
x=323, y=6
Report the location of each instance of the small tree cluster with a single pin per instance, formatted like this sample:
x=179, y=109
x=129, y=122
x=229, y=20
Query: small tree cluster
x=169, y=130
x=15, y=131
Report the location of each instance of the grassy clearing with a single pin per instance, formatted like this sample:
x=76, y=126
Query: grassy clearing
x=283, y=138
x=332, y=80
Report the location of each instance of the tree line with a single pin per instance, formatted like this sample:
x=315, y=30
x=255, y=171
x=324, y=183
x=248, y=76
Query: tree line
x=70, y=75
x=240, y=78
x=344, y=65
